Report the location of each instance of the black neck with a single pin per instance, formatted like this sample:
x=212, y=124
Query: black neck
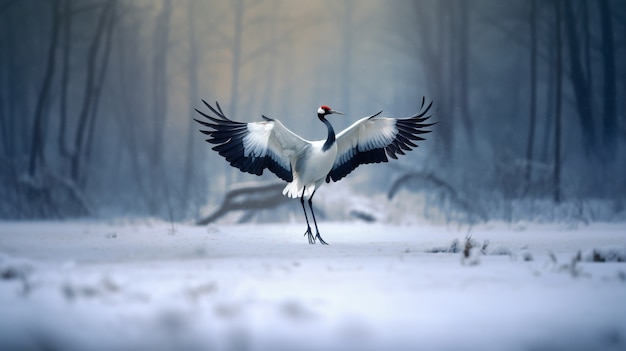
x=330, y=139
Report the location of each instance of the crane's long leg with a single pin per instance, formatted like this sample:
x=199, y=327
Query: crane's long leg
x=317, y=235
x=308, y=226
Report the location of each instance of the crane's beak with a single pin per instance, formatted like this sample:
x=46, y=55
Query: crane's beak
x=336, y=112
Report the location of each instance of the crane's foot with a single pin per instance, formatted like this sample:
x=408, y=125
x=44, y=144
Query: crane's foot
x=310, y=235
x=318, y=237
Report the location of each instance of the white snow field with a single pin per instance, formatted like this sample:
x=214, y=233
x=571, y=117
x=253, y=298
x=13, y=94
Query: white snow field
x=143, y=285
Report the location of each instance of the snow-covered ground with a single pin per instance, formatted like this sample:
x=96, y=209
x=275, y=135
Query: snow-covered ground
x=145, y=285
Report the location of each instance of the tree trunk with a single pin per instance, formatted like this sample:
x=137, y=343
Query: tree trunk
x=236, y=51
x=6, y=127
x=587, y=41
x=580, y=84
x=80, y=137
x=189, y=175
x=130, y=89
x=463, y=35
x=37, y=143
x=609, y=120
x=547, y=129
x=449, y=57
x=559, y=97
x=248, y=197
x=159, y=85
x=157, y=173
x=346, y=55
x=533, y=93
x=232, y=174
x=97, y=91
x=65, y=76
x=434, y=36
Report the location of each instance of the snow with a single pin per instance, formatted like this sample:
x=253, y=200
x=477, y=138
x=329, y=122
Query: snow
x=150, y=285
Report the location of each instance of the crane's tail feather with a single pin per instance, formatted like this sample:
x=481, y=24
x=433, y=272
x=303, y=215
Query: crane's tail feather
x=295, y=188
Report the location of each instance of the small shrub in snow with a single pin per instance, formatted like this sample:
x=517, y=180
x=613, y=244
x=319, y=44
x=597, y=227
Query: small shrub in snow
x=472, y=250
x=471, y=244
x=363, y=215
x=453, y=248
x=472, y=257
x=612, y=254
x=572, y=267
x=18, y=270
x=527, y=257
x=14, y=272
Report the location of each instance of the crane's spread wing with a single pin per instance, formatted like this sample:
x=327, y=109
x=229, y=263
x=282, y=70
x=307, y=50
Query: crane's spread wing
x=252, y=147
x=372, y=139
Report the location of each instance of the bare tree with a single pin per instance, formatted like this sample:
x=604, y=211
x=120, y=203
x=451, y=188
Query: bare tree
x=580, y=84
x=38, y=137
x=586, y=42
x=158, y=174
x=434, y=33
x=90, y=98
x=346, y=57
x=192, y=69
x=132, y=117
x=549, y=104
x=104, y=64
x=558, y=99
x=533, y=91
x=8, y=86
x=463, y=29
x=609, y=125
x=65, y=77
x=159, y=84
x=236, y=52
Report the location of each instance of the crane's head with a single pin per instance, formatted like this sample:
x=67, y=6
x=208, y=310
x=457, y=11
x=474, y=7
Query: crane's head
x=324, y=110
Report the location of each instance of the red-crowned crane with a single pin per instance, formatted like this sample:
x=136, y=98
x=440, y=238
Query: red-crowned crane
x=305, y=165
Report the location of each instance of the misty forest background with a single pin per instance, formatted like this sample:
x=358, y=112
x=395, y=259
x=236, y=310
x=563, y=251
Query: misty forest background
x=97, y=99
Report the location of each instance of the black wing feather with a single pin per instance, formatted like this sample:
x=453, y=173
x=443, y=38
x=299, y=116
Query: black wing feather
x=228, y=137
x=408, y=130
